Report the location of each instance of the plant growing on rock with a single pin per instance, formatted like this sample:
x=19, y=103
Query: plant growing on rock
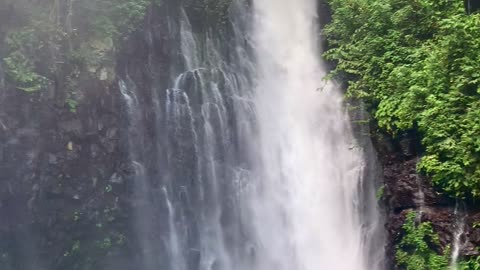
x=415, y=250
x=19, y=63
x=416, y=64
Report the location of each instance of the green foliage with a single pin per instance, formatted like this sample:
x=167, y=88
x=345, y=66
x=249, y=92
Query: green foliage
x=112, y=18
x=73, y=250
x=471, y=264
x=380, y=193
x=110, y=241
x=99, y=25
x=72, y=86
x=71, y=104
x=19, y=66
x=415, y=250
x=214, y=13
x=106, y=243
x=217, y=11
x=63, y=42
x=20, y=69
x=417, y=65
x=108, y=188
x=104, y=239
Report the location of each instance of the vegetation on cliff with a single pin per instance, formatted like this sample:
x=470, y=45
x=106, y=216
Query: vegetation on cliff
x=58, y=58
x=419, y=248
x=414, y=252
x=55, y=51
x=63, y=40
x=57, y=43
x=417, y=65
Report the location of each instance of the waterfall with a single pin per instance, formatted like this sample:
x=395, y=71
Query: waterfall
x=459, y=229
x=420, y=199
x=143, y=207
x=175, y=252
x=307, y=208
x=254, y=164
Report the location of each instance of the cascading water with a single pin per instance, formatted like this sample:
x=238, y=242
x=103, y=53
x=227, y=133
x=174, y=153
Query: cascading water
x=459, y=228
x=420, y=199
x=307, y=210
x=261, y=170
x=144, y=229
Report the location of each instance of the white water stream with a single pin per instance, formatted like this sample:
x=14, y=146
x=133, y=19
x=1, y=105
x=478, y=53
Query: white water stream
x=261, y=169
x=308, y=208
x=459, y=230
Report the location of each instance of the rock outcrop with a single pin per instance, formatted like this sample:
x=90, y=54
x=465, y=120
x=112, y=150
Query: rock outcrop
x=405, y=190
x=66, y=195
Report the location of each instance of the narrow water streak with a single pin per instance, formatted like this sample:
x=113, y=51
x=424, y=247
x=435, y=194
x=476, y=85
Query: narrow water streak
x=459, y=229
x=420, y=199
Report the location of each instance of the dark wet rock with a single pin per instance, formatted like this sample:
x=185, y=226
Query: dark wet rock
x=48, y=158
x=64, y=175
x=405, y=191
x=404, y=188
x=72, y=126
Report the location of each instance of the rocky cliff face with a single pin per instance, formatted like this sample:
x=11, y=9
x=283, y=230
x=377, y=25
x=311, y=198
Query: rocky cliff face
x=66, y=184
x=63, y=202
x=406, y=191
